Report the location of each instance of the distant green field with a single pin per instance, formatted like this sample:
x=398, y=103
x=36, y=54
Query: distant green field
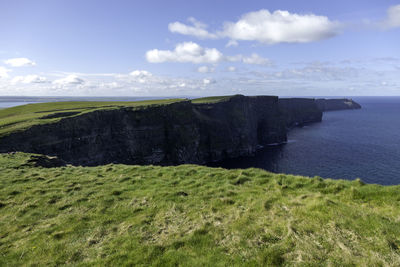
x=119, y=215
x=22, y=117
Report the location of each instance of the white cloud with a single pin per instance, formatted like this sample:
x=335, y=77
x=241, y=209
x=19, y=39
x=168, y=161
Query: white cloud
x=231, y=69
x=197, y=29
x=4, y=72
x=208, y=81
x=393, y=17
x=141, y=76
x=140, y=73
x=205, y=69
x=270, y=28
x=252, y=59
x=232, y=43
x=194, y=53
x=280, y=27
x=70, y=79
x=19, y=62
x=234, y=58
x=29, y=79
x=185, y=52
x=256, y=59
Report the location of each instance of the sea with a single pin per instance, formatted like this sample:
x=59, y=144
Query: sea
x=347, y=144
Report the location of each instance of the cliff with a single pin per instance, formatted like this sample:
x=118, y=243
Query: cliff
x=336, y=104
x=299, y=111
x=173, y=132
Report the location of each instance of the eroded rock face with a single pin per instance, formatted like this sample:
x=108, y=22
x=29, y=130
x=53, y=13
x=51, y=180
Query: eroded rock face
x=177, y=133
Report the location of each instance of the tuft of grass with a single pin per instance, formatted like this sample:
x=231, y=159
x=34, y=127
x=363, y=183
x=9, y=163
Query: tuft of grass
x=191, y=215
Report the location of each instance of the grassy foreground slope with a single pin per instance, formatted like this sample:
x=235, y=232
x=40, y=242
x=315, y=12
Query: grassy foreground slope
x=22, y=117
x=192, y=216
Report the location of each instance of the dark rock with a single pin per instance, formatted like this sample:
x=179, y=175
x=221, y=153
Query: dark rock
x=181, y=193
x=45, y=161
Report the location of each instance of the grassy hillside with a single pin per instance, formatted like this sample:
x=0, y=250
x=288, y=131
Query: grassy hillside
x=22, y=117
x=211, y=99
x=192, y=216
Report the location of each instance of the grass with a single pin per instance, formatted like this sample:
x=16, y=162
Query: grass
x=22, y=117
x=211, y=99
x=191, y=215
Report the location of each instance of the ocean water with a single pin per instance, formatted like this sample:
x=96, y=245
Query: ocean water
x=347, y=144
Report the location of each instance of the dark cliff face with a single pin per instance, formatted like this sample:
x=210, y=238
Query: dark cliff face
x=299, y=111
x=123, y=135
x=177, y=133
x=336, y=104
x=181, y=132
x=239, y=126
x=169, y=134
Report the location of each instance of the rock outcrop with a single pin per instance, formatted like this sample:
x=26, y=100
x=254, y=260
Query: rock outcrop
x=181, y=132
x=336, y=104
x=45, y=161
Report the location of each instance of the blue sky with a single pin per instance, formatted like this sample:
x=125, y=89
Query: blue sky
x=195, y=48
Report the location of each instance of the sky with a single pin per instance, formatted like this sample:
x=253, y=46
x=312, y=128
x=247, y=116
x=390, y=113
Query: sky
x=199, y=48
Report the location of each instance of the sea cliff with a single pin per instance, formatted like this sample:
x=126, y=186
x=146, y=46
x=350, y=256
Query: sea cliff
x=175, y=133
x=299, y=111
x=336, y=104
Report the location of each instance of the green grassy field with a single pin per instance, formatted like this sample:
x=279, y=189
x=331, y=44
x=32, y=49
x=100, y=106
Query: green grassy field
x=211, y=99
x=22, y=117
x=191, y=216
